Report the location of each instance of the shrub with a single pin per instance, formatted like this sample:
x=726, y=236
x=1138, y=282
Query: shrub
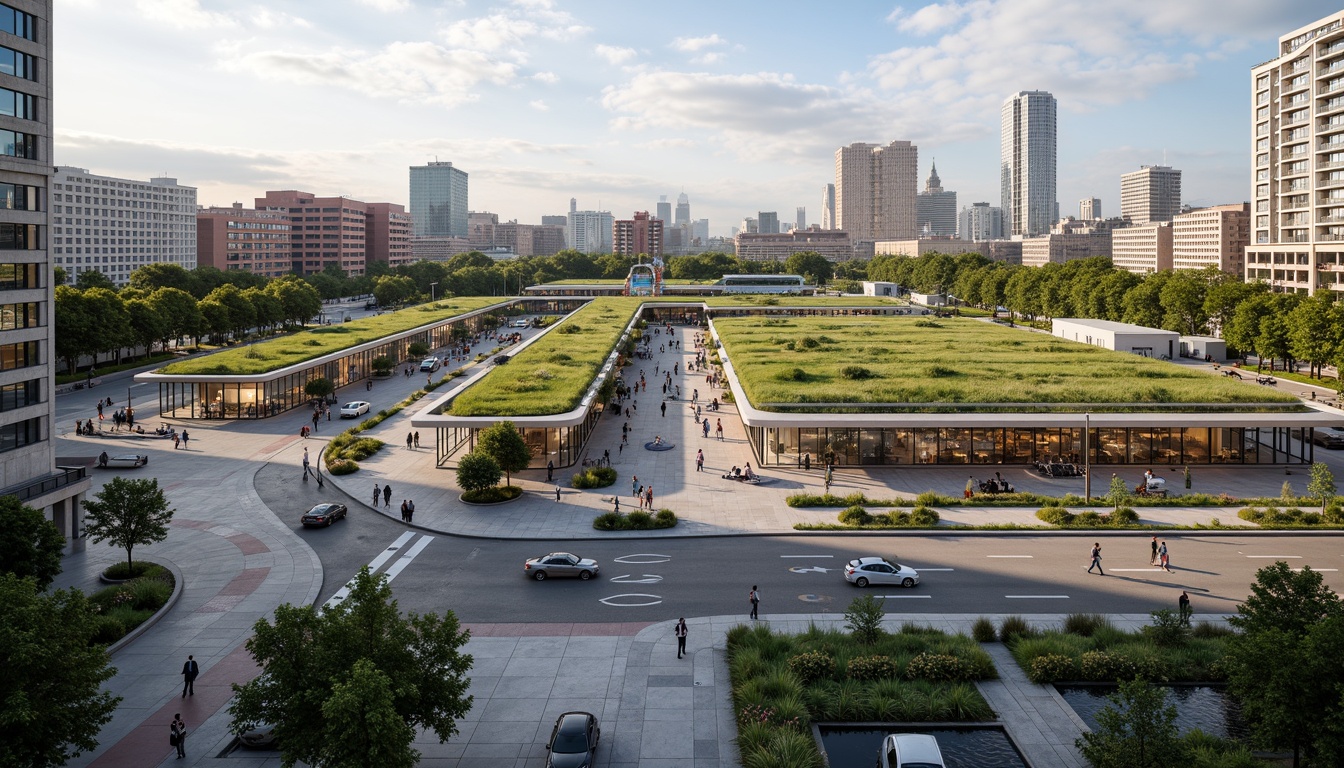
x=865, y=668
x=983, y=630
x=863, y=619
x=812, y=665
x=1168, y=629
x=637, y=520
x=570, y=328
x=594, y=477
x=828, y=500
x=1050, y=668
x=1084, y=624
x=107, y=630
x=856, y=516
x=665, y=518
x=930, y=499
x=1105, y=666
x=927, y=324
x=936, y=668
x=924, y=517
x=362, y=448
x=1014, y=626
x=342, y=467
x=856, y=373
x=492, y=495
x=608, y=521
x=1122, y=517
x=796, y=374
x=1055, y=516
x=939, y=371
x=1089, y=518
x=1204, y=630
x=124, y=571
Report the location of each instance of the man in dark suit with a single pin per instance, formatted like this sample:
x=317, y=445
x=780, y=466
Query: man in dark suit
x=189, y=672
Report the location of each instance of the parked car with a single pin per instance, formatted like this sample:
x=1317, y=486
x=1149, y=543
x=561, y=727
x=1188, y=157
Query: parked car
x=1329, y=437
x=911, y=750
x=260, y=737
x=354, y=410
x=123, y=461
x=560, y=565
x=519, y=323
x=430, y=365
x=876, y=570
x=573, y=741
x=324, y=514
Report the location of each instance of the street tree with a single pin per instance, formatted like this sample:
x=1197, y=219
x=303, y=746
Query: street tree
x=810, y=264
x=241, y=314
x=269, y=311
x=147, y=325
x=375, y=675
x=320, y=388
x=152, y=277
x=299, y=300
x=476, y=471
x=394, y=291
x=1182, y=299
x=1118, y=493
x=30, y=544
x=178, y=310
x=77, y=334
x=1312, y=335
x=503, y=443
x=126, y=513
x=110, y=320
x=1322, y=484
x=417, y=349
x=1137, y=729
x=53, y=702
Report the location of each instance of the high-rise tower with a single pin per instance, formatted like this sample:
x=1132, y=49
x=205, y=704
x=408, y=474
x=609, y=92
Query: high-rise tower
x=937, y=208
x=1027, y=163
x=875, y=189
x=439, y=200
x=1152, y=193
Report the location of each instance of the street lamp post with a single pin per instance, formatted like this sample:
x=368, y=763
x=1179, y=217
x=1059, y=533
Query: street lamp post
x=1087, y=456
x=432, y=286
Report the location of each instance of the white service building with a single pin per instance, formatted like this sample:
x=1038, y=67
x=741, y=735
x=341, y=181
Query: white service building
x=1121, y=337
x=878, y=288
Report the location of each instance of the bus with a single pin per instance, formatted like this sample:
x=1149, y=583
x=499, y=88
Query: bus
x=762, y=284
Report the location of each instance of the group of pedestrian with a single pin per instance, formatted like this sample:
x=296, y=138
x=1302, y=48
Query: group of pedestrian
x=1160, y=556
x=412, y=440
x=385, y=493
x=407, y=507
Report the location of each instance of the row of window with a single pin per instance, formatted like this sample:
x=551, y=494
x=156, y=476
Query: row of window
x=18, y=104
x=20, y=197
x=18, y=64
x=20, y=237
x=18, y=23
x=23, y=354
x=25, y=393
x=26, y=432
x=31, y=314
x=17, y=277
x=17, y=144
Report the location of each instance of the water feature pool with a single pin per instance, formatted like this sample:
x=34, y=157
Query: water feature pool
x=1206, y=707
x=857, y=745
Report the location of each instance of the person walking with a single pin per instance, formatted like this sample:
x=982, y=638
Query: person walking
x=700, y=461
x=807, y=462
x=316, y=416
x=1096, y=559
x=616, y=501
x=705, y=424
x=185, y=438
x=190, y=669
x=387, y=495
x=177, y=735
x=417, y=438
x=550, y=471
x=1163, y=558
x=403, y=510
x=718, y=428
x=305, y=465
x=664, y=409
x=648, y=497
x=410, y=510
x=177, y=441
x=1153, y=560
x=680, y=631
x=377, y=494
x=755, y=597
x=410, y=440
x=1183, y=607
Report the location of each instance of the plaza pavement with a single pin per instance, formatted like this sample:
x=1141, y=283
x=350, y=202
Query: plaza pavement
x=239, y=561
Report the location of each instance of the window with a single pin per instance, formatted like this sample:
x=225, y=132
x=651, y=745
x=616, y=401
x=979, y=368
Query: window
x=21, y=355
x=16, y=144
x=22, y=394
x=21, y=434
x=16, y=104
x=19, y=197
x=18, y=64
x=19, y=237
x=14, y=277
x=18, y=23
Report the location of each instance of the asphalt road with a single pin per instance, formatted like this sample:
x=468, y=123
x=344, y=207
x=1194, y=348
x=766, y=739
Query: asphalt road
x=482, y=580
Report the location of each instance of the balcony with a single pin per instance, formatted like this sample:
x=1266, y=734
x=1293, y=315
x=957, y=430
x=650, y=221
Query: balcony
x=41, y=486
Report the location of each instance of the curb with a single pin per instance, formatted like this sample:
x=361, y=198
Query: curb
x=145, y=626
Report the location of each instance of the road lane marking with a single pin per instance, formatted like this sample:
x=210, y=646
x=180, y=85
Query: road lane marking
x=647, y=578
x=1008, y=557
x=904, y=597
x=812, y=569
x=1132, y=570
x=1316, y=570
x=406, y=559
x=807, y=555
x=374, y=565
x=1037, y=597
x=649, y=600
x=926, y=570
x=645, y=559
x=1275, y=557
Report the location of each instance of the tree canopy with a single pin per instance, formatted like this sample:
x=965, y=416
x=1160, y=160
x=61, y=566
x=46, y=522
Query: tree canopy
x=126, y=513
x=504, y=443
x=30, y=544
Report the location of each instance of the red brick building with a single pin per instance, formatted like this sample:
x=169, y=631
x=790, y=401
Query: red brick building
x=641, y=235
x=246, y=239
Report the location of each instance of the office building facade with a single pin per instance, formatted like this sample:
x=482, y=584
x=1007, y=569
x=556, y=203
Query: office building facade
x=388, y=229
x=876, y=189
x=1068, y=240
x=1216, y=236
x=323, y=230
x=115, y=226
x=28, y=463
x=1027, y=163
x=664, y=209
x=767, y=222
x=589, y=231
x=439, y=200
x=936, y=208
x=1089, y=208
x=1297, y=162
x=683, y=210
x=1143, y=248
x=980, y=221
x=246, y=239
x=833, y=245
x=641, y=235
x=1152, y=193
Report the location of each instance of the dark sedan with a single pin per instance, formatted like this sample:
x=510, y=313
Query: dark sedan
x=324, y=514
x=573, y=741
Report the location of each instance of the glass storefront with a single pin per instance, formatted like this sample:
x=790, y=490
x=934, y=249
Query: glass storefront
x=961, y=445
x=562, y=446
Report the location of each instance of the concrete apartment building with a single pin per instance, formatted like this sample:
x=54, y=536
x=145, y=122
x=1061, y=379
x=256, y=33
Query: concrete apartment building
x=1089, y=208
x=487, y=234
x=245, y=239
x=1152, y=193
x=590, y=231
x=980, y=221
x=388, y=230
x=1297, y=162
x=935, y=208
x=950, y=246
x=1068, y=240
x=833, y=245
x=641, y=235
x=1143, y=248
x=28, y=468
x=438, y=248
x=323, y=230
x=1028, y=150
x=115, y=226
x=875, y=191
x=439, y=200
x=1212, y=237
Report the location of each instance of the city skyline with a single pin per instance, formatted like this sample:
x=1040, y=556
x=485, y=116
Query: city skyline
x=543, y=101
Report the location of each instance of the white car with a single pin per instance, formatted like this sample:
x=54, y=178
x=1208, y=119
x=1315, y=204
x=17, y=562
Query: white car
x=354, y=410
x=430, y=365
x=876, y=570
x=519, y=323
x=911, y=750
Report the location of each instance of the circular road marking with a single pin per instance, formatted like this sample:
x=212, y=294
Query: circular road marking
x=647, y=578
x=619, y=601
x=642, y=559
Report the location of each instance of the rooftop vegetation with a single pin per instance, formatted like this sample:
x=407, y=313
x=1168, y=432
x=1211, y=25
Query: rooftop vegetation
x=323, y=340
x=915, y=359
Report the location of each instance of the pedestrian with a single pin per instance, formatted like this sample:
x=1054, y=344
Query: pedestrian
x=755, y=598
x=1096, y=559
x=410, y=440
x=550, y=471
x=664, y=409
x=417, y=438
x=403, y=510
x=680, y=632
x=606, y=456
x=1183, y=607
x=1163, y=558
x=327, y=410
x=185, y=439
x=190, y=669
x=377, y=494
x=695, y=395
x=100, y=409
x=410, y=510
x=177, y=442
x=617, y=503
x=718, y=428
x=1153, y=560
x=305, y=465
x=700, y=461
x=557, y=493
x=177, y=735
x=705, y=424
x=807, y=462
x=648, y=497
x=387, y=495
x=316, y=416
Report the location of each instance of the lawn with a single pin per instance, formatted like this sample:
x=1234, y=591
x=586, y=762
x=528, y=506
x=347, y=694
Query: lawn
x=315, y=342
x=949, y=361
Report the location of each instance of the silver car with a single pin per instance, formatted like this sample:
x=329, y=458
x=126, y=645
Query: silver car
x=876, y=570
x=560, y=565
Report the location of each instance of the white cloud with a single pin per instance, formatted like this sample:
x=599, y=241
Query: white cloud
x=387, y=6
x=265, y=18
x=550, y=78
x=931, y=18
x=538, y=105
x=490, y=33
x=696, y=44
x=709, y=57
x=615, y=54
x=182, y=14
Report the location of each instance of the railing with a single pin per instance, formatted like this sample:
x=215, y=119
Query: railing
x=41, y=486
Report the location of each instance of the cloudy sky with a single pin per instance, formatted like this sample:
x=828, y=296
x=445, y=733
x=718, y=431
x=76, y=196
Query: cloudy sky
x=739, y=104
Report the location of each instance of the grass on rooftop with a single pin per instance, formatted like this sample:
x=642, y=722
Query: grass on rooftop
x=315, y=342
x=917, y=359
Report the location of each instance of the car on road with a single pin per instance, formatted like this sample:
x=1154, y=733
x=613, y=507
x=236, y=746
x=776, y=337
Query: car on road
x=1329, y=437
x=876, y=570
x=324, y=514
x=573, y=741
x=354, y=409
x=910, y=750
x=519, y=323
x=430, y=365
x=260, y=737
x=123, y=460
x=560, y=565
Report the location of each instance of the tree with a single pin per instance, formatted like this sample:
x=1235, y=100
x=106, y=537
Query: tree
x=476, y=471
x=1136, y=730
x=182, y=318
x=127, y=513
x=241, y=314
x=505, y=445
x=864, y=618
x=92, y=278
x=810, y=264
x=54, y=704
x=1322, y=484
x=298, y=300
x=30, y=544
x=152, y=277
x=269, y=311
x=376, y=675
x=147, y=325
x=319, y=387
x=1118, y=493
x=393, y=291
x=1182, y=299
x=417, y=349
x=111, y=322
x=1312, y=334
x=74, y=318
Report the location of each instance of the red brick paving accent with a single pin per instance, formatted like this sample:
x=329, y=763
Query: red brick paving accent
x=277, y=445
x=200, y=525
x=235, y=591
x=148, y=743
x=249, y=544
x=613, y=629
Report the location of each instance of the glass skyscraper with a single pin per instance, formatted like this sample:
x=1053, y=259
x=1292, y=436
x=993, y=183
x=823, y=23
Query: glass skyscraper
x=439, y=200
x=1027, y=164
